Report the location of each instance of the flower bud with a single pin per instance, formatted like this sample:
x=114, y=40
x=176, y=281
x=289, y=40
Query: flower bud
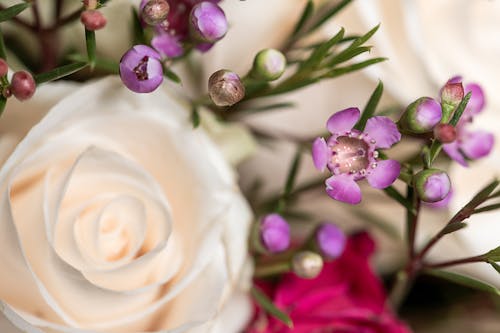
x=4, y=68
x=141, y=70
x=331, y=240
x=22, y=85
x=225, y=88
x=421, y=116
x=93, y=20
x=307, y=264
x=274, y=233
x=208, y=22
x=445, y=133
x=451, y=95
x=90, y=4
x=432, y=185
x=268, y=65
x=155, y=11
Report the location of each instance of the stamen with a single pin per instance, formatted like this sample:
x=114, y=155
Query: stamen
x=141, y=70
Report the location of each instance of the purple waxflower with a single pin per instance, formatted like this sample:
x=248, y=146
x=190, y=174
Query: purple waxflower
x=351, y=155
x=432, y=185
x=208, y=22
x=331, y=240
x=141, y=69
x=470, y=144
x=274, y=233
x=421, y=116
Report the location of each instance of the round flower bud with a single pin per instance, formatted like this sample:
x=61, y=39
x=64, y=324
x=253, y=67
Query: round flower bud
x=421, y=116
x=432, y=185
x=268, y=65
x=452, y=93
x=155, y=11
x=4, y=68
x=225, y=88
x=208, y=22
x=93, y=20
x=445, y=133
x=307, y=264
x=141, y=69
x=22, y=85
x=331, y=240
x=274, y=233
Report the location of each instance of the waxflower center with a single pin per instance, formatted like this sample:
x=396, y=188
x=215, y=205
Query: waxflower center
x=141, y=70
x=350, y=155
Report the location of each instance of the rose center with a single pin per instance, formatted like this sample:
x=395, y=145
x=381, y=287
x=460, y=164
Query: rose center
x=350, y=155
x=141, y=70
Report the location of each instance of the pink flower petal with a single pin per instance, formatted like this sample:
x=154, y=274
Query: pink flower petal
x=451, y=149
x=343, y=121
x=320, y=153
x=477, y=100
x=343, y=188
x=386, y=173
x=383, y=130
x=477, y=144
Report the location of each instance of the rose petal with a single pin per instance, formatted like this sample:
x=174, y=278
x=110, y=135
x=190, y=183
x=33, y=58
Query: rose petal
x=343, y=121
x=343, y=188
x=477, y=144
x=320, y=154
x=386, y=172
x=452, y=150
x=383, y=130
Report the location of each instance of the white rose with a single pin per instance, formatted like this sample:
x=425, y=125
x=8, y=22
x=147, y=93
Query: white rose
x=117, y=216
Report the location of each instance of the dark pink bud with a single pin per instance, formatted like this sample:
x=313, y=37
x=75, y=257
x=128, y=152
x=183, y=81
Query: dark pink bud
x=4, y=68
x=22, y=85
x=93, y=20
x=452, y=93
x=445, y=133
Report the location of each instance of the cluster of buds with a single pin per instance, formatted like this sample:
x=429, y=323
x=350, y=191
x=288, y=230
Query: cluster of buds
x=91, y=18
x=22, y=85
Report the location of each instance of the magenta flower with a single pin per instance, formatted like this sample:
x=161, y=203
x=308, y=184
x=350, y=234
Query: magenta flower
x=351, y=155
x=141, y=69
x=470, y=144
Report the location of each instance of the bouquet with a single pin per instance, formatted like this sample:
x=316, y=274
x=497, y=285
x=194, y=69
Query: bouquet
x=161, y=173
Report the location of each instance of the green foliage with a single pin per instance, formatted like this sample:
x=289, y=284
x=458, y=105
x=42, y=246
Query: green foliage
x=60, y=72
x=463, y=280
x=270, y=308
x=13, y=11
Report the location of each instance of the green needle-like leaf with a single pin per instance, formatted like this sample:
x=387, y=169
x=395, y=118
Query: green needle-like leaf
x=355, y=67
x=306, y=14
x=460, y=109
x=292, y=173
x=195, y=116
x=59, y=72
x=370, y=107
x=361, y=40
x=3, y=102
x=463, y=280
x=321, y=51
x=329, y=14
x=13, y=11
x=270, y=308
x=172, y=76
x=494, y=265
x=91, y=47
x=453, y=227
x=494, y=254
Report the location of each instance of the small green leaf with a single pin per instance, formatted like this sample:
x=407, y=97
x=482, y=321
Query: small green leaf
x=495, y=265
x=306, y=14
x=292, y=173
x=13, y=11
x=172, y=76
x=322, y=51
x=91, y=47
x=494, y=254
x=483, y=195
x=347, y=54
x=100, y=63
x=452, y=227
x=3, y=54
x=59, y=72
x=486, y=208
x=283, y=105
x=329, y=14
x=355, y=67
x=195, y=116
x=3, y=102
x=137, y=30
x=361, y=40
x=433, y=153
x=270, y=308
x=460, y=109
x=370, y=107
x=463, y=280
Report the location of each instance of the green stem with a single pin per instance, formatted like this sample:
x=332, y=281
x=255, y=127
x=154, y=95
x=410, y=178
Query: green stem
x=461, y=261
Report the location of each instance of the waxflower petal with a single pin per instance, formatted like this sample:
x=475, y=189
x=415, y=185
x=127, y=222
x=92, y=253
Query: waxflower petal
x=343, y=121
x=320, y=153
x=208, y=22
x=331, y=240
x=141, y=70
x=477, y=99
x=168, y=45
x=477, y=144
x=343, y=188
x=386, y=173
x=383, y=131
x=275, y=233
x=452, y=150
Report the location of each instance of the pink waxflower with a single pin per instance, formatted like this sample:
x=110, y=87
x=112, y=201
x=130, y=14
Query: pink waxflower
x=345, y=297
x=351, y=155
x=470, y=144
